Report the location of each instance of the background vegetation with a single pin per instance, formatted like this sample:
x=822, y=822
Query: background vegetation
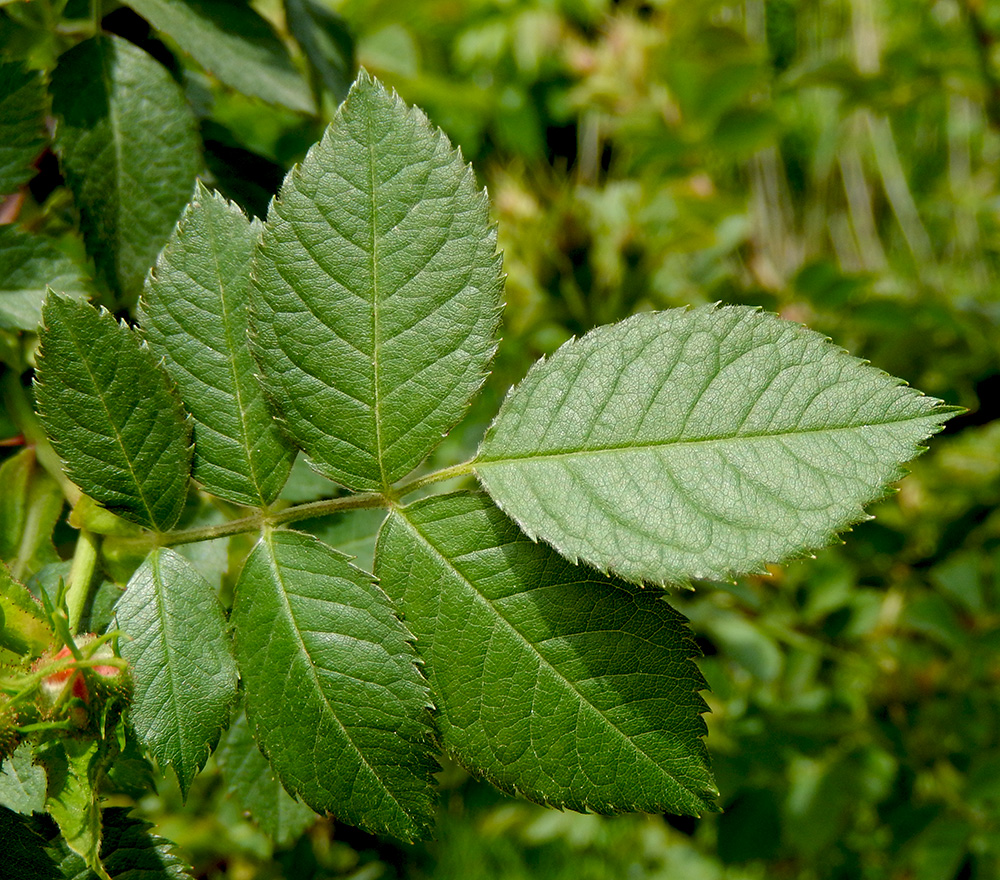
x=836, y=161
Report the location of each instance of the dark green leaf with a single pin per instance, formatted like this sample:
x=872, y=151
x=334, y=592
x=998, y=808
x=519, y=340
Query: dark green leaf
x=25, y=854
x=332, y=693
x=699, y=443
x=550, y=680
x=22, y=782
x=128, y=852
x=111, y=415
x=324, y=37
x=29, y=264
x=174, y=636
x=230, y=40
x=129, y=149
x=379, y=292
x=23, y=105
x=194, y=314
x=251, y=781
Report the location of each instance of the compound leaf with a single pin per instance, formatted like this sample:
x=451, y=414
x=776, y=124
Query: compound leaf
x=111, y=415
x=23, y=105
x=29, y=264
x=128, y=852
x=379, y=288
x=699, y=444
x=129, y=148
x=233, y=42
x=194, y=314
x=251, y=780
x=332, y=693
x=174, y=638
x=550, y=680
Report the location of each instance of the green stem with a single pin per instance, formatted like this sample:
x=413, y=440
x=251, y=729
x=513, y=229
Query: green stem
x=458, y=470
x=81, y=577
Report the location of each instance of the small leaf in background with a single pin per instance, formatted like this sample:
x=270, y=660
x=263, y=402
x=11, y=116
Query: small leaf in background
x=30, y=506
x=111, y=415
x=379, y=292
x=24, y=630
x=29, y=265
x=174, y=637
x=194, y=313
x=550, y=680
x=699, y=443
x=22, y=782
x=128, y=146
x=23, y=105
x=332, y=690
x=352, y=532
x=128, y=852
x=233, y=42
x=25, y=850
x=252, y=783
x=324, y=37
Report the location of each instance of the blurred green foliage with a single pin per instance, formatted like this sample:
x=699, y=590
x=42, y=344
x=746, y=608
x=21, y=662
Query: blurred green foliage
x=837, y=161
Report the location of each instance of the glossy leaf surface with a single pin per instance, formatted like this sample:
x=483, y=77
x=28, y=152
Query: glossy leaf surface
x=379, y=292
x=129, y=149
x=233, y=42
x=195, y=314
x=174, y=637
x=332, y=693
x=111, y=415
x=699, y=444
x=550, y=680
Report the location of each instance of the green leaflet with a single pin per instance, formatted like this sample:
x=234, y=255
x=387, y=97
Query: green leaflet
x=29, y=265
x=25, y=852
x=128, y=852
x=332, y=693
x=379, y=292
x=250, y=779
x=699, y=444
x=194, y=314
x=551, y=681
x=23, y=105
x=74, y=768
x=174, y=637
x=22, y=783
x=233, y=42
x=111, y=416
x=25, y=633
x=115, y=103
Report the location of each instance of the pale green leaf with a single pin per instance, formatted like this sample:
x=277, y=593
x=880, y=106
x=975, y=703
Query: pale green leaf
x=352, y=532
x=194, y=314
x=699, y=444
x=22, y=782
x=29, y=264
x=332, y=693
x=73, y=767
x=550, y=680
x=174, y=637
x=25, y=633
x=251, y=781
x=30, y=506
x=230, y=40
x=128, y=852
x=111, y=415
x=23, y=105
x=379, y=292
x=129, y=148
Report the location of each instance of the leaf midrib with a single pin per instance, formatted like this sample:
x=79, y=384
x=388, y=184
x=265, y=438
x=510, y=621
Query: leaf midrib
x=683, y=441
x=304, y=651
x=541, y=659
